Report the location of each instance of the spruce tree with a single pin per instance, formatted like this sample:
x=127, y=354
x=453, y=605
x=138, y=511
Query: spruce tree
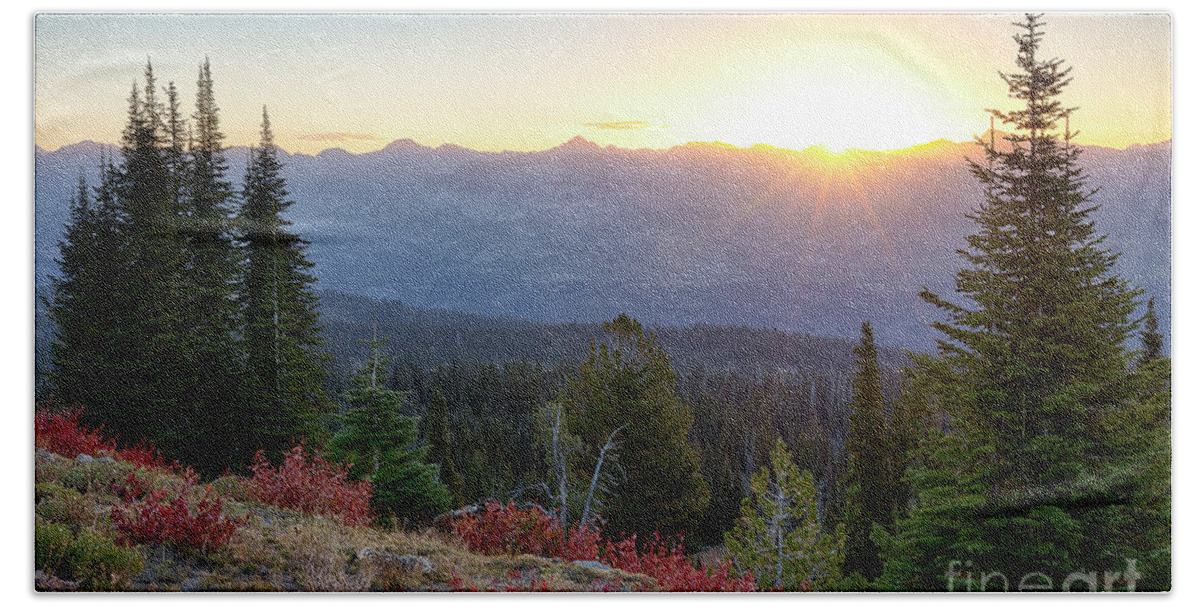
x=868, y=496
x=908, y=423
x=210, y=287
x=779, y=536
x=628, y=382
x=1032, y=369
x=382, y=445
x=87, y=320
x=281, y=332
x=148, y=291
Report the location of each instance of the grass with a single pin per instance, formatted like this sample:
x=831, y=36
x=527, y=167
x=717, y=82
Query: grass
x=275, y=550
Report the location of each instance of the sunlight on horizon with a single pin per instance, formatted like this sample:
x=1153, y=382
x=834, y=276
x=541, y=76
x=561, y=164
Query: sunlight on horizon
x=530, y=82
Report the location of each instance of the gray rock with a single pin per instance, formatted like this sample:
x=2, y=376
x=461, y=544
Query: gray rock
x=49, y=582
x=106, y=459
x=591, y=564
x=40, y=454
x=84, y=459
x=413, y=563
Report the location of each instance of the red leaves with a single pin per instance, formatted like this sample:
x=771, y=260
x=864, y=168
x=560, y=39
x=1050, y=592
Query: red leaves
x=674, y=571
x=311, y=484
x=145, y=455
x=60, y=432
x=581, y=545
x=502, y=529
x=147, y=517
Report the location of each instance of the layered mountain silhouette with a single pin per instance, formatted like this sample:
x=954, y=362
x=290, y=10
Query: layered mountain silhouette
x=806, y=241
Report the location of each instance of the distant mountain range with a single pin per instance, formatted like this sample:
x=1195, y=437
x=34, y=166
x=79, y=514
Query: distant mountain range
x=805, y=241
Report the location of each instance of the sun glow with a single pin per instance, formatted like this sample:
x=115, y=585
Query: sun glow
x=851, y=94
x=531, y=82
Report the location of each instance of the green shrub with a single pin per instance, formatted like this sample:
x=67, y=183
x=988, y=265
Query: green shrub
x=90, y=558
x=231, y=487
x=50, y=545
x=54, y=503
x=95, y=476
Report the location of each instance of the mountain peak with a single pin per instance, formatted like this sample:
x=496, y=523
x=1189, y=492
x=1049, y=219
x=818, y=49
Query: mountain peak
x=578, y=143
x=405, y=145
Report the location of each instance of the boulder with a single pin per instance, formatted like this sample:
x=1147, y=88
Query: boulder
x=591, y=564
x=412, y=563
x=49, y=582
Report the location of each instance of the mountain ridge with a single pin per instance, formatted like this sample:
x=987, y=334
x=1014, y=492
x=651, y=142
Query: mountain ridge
x=708, y=233
x=408, y=144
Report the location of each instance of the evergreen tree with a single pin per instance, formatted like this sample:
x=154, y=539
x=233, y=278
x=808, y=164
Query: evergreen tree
x=282, y=334
x=87, y=321
x=629, y=383
x=910, y=419
x=1020, y=478
x=175, y=150
x=1152, y=341
x=1141, y=453
x=147, y=291
x=381, y=444
x=210, y=286
x=437, y=434
x=779, y=536
x=869, y=481
x=1044, y=351
x=477, y=478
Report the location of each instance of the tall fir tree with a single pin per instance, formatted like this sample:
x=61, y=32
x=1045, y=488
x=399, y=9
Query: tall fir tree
x=87, y=320
x=869, y=483
x=148, y=359
x=210, y=284
x=628, y=382
x=908, y=423
x=1031, y=374
x=282, y=332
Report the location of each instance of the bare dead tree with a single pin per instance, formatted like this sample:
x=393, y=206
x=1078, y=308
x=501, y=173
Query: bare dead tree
x=609, y=445
x=558, y=456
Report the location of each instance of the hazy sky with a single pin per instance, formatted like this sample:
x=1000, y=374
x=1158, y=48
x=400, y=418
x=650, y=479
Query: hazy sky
x=527, y=82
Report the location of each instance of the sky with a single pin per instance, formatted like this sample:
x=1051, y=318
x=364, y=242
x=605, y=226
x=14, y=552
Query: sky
x=531, y=81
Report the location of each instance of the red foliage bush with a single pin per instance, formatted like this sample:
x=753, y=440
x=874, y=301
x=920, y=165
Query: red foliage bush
x=311, y=484
x=667, y=563
x=507, y=529
x=147, y=456
x=148, y=518
x=61, y=433
x=499, y=529
x=526, y=586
